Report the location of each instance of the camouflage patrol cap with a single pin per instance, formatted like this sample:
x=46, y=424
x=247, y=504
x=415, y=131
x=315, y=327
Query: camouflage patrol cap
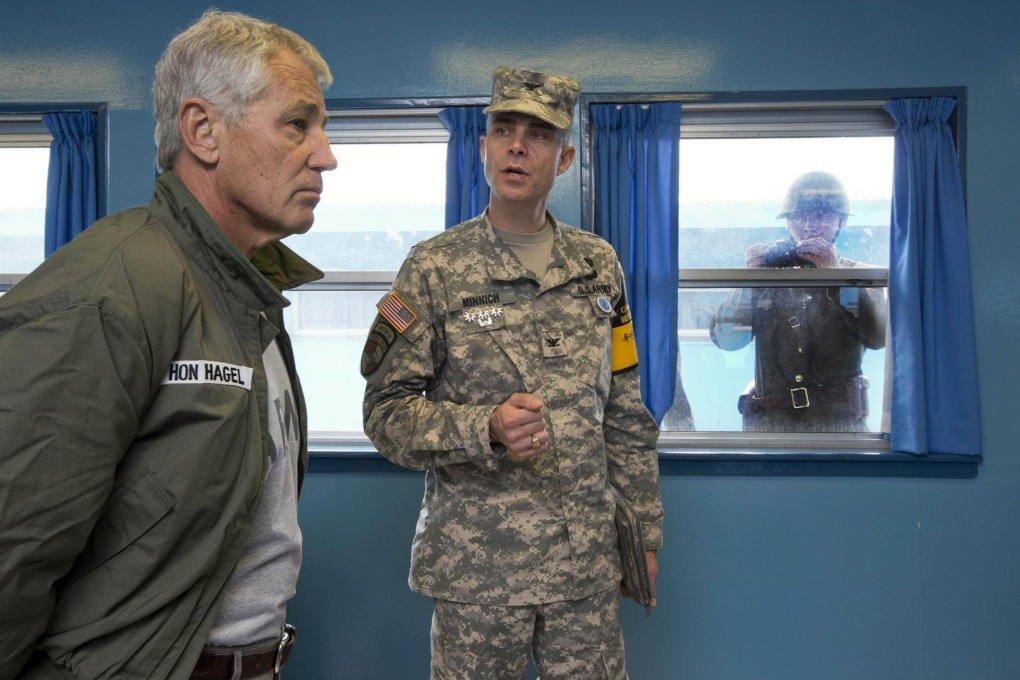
x=543, y=95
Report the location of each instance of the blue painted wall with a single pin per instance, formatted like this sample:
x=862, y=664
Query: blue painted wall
x=768, y=573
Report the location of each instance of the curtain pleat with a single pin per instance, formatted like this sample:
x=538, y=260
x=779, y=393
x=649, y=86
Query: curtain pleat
x=71, y=195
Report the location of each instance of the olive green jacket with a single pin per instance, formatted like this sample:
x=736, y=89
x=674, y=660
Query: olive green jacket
x=133, y=420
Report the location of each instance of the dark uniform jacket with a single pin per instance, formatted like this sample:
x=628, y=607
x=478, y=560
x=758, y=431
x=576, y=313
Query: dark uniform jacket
x=809, y=344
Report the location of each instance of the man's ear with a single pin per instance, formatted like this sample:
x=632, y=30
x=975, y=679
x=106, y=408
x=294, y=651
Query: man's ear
x=566, y=159
x=481, y=148
x=197, y=120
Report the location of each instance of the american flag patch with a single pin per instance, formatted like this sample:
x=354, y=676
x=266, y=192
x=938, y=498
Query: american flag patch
x=397, y=312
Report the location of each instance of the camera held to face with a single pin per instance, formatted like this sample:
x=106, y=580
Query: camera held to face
x=783, y=254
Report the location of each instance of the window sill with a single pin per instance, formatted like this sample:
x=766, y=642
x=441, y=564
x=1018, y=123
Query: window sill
x=356, y=454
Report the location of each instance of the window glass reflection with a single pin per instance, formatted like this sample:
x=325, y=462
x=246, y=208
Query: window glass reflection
x=328, y=330
x=782, y=359
x=380, y=201
x=774, y=358
x=732, y=194
x=23, y=172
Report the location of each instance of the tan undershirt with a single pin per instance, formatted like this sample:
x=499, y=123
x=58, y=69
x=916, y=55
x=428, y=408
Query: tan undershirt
x=532, y=250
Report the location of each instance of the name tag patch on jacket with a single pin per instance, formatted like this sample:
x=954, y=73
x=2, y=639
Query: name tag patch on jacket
x=480, y=300
x=208, y=372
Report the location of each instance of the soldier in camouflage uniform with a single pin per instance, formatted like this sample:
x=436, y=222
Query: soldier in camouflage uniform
x=502, y=363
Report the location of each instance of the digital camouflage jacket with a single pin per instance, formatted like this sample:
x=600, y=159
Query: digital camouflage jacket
x=464, y=327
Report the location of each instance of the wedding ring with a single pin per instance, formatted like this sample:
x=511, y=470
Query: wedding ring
x=535, y=442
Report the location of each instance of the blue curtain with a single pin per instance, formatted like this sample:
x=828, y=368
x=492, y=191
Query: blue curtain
x=635, y=159
x=934, y=386
x=467, y=192
x=71, y=195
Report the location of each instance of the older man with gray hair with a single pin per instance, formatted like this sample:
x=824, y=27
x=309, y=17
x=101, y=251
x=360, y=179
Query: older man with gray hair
x=154, y=430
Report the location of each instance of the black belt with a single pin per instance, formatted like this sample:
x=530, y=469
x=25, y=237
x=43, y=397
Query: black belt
x=805, y=397
x=218, y=663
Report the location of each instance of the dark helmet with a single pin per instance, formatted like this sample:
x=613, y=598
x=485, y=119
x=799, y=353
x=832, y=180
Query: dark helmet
x=816, y=191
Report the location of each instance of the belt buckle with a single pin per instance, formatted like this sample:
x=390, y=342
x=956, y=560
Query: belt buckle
x=286, y=636
x=804, y=401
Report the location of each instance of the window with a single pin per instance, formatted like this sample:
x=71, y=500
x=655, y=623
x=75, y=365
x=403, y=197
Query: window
x=387, y=193
x=24, y=161
x=25, y=151
x=732, y=190
x=739, y=158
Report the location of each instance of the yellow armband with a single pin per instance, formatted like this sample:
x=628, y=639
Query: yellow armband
x=624, y=344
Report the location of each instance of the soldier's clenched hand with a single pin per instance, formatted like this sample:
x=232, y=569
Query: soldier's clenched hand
x=519, y=425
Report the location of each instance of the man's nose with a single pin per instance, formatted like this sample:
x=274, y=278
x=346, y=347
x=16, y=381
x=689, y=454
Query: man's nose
x=517, y=146
x=322, y=157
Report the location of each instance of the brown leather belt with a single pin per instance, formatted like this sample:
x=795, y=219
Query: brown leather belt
x=219, y=663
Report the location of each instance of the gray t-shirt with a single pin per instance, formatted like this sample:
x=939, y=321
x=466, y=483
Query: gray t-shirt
x=255, y=604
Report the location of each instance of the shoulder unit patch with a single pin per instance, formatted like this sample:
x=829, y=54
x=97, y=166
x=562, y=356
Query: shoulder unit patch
x=380, y=339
